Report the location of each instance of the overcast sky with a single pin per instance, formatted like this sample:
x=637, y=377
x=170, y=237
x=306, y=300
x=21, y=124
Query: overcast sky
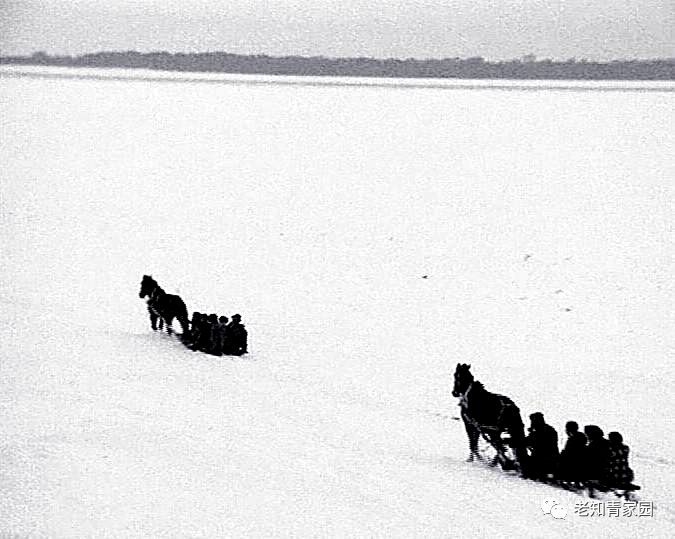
x=494, y=29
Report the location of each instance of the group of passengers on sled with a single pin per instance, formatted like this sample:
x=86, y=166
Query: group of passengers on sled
x=214, y=335
x=204, y=333
x=588, y=459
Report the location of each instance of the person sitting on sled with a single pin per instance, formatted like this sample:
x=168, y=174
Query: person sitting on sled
x=619, y=473
x=202, y=335
x=596, y=461
x=236, y=342
x=571, y=468
x=192, y=335
x=221, y=334
x=543, y=444
x=213, y=345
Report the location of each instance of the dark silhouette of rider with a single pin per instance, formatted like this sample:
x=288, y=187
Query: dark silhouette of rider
x=542, y=441
x=236, y=337
x=619, y=473
x=597, y=458
x=571, y=470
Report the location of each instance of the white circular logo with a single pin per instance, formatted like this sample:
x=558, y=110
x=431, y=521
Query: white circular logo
x=559, y=511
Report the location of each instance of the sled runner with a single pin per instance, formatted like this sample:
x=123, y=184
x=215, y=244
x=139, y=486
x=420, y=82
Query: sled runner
x=627, y=492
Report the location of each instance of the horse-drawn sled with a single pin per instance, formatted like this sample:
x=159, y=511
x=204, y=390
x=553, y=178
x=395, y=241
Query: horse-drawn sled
x=497, y=437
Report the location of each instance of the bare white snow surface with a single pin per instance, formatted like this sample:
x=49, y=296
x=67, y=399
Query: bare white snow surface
x=543, y=222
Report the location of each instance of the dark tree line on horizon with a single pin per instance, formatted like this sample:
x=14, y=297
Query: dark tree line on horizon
x=468, y=68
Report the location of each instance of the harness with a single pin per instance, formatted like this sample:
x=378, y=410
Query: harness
x=464, y=404
x=152, y=300
x=464, y=397
x=486, y=431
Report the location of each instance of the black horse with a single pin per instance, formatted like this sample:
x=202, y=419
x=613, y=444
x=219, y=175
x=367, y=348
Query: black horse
x=163, y=307
x=489, y=415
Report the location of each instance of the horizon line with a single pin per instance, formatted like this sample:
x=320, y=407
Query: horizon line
x=525, y=58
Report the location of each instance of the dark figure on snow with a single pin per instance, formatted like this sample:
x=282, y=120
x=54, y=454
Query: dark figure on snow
x=619, y=474
x=597, y=459
x=153, y=309
x=214, y=336
x=236, y=337
x=222, y=334
x=543, y=445
x=207, y=333
x=163, y=307
x=201, y=334
x=571, y=471
x=489, y=415
x=194, y=332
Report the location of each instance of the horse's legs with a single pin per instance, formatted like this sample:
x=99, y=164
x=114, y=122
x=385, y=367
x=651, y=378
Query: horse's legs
x=516, y=430
x=185, y=324
x=153, y=318
x=502, y=458
x=495, y=440
x=182, y=317
x=473, y=434
x=168, y=321
x=521, y=453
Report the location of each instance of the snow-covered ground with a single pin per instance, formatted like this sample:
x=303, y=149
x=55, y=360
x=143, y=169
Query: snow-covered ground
x=543, y=221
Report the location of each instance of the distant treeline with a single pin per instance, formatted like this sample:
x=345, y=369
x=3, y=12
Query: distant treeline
x=468, y=68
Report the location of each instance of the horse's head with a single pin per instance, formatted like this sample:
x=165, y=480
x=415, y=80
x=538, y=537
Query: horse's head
x=463, y=379
x=148, y=285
